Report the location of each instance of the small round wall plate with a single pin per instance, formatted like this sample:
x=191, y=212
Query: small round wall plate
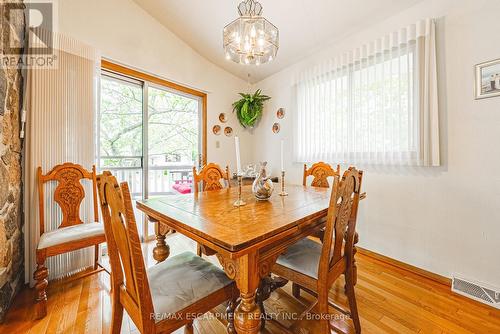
x=280, y=113
x=222, y=117
x=216, y=130
x=276, y=127
x=228, y=131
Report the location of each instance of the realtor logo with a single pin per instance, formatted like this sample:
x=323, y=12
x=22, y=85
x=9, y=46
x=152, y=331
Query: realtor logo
x=29, y=41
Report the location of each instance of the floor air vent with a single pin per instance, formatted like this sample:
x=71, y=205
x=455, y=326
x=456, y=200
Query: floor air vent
x=477, y=291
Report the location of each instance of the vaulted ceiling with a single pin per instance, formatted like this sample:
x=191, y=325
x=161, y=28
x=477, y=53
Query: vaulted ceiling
x=305, y=25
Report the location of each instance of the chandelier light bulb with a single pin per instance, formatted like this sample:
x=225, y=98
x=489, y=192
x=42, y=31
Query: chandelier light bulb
x=250, y=39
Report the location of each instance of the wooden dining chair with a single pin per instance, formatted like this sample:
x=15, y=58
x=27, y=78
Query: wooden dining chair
x=320, y=172
x=72, y=233
x=315, y=266
x=210, y=177
x=164, y=297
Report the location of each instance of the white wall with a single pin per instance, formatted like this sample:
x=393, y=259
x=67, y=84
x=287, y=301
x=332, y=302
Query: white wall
x=447, y=219
x=127, y=34
x=441, y=219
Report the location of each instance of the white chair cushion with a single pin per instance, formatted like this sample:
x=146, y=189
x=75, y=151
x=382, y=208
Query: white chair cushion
x=182, y=280
x=302, y=257
x=70, y=233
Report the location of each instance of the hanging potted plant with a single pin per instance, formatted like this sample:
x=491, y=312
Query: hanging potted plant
x=249, y=109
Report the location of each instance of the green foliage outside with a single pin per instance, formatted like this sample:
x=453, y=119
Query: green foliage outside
x=172, y=125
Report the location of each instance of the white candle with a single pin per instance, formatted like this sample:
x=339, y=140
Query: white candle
x=282, y=160
x=238, y=161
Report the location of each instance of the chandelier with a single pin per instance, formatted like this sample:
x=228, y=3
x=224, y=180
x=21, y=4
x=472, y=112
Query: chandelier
x=250, y=39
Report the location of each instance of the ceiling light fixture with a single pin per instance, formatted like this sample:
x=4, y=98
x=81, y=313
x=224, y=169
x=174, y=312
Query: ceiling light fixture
x=250, y=39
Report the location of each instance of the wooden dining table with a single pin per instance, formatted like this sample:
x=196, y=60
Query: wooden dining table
x=247, y=240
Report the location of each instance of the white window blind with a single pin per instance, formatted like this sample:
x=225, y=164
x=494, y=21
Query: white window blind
x=375, y=105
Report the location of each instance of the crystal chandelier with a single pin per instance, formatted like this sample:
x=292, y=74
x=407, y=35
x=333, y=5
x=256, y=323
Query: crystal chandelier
x=250, y=39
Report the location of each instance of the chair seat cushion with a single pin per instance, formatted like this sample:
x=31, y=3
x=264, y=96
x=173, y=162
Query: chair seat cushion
x=181, y=281
x=70, y=233
x=302, y=257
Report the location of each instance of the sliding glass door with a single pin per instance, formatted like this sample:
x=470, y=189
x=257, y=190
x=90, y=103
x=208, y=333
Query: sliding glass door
x=174, y=141
x=150, y=136
x=121, y=134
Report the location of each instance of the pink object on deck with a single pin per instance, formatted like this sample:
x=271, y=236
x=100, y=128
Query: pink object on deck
x=182, y=188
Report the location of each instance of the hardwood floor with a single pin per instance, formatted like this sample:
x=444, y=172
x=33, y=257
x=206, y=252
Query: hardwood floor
x=390, y=300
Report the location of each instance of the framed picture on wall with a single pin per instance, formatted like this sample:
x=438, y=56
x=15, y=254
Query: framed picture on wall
x=488, y=79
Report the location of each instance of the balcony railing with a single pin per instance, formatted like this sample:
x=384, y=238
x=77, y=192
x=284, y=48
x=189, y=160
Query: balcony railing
x=160, y=178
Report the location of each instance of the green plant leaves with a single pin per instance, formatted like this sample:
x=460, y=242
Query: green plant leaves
x=249, y=108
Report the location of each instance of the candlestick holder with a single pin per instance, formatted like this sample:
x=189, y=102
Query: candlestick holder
x=240, y=201
x=283, y=192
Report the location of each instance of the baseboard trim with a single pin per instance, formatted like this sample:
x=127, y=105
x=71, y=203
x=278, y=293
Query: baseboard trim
x=398, y=264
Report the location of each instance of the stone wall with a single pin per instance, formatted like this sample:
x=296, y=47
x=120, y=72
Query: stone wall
x=11, y=221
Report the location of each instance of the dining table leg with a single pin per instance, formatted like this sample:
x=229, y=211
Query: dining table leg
x=161, y=251
x=267, y=286
x=244, y=270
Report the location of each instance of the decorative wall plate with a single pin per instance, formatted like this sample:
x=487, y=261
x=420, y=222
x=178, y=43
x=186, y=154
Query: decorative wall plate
x=228, y=131
x=216, y=130
x=222, y=117
x=280, y=113
x=276, y=127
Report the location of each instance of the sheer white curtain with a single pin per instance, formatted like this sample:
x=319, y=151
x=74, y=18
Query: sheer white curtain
x=374, y=105
x=60, y=127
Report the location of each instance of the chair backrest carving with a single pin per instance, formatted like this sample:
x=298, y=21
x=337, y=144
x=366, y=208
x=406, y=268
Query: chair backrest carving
x=210, y=176
x=69, y=192
x=128, y=271
x=320, y=172
x=341, y=220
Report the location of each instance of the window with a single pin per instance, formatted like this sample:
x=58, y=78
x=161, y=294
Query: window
x=371, y=107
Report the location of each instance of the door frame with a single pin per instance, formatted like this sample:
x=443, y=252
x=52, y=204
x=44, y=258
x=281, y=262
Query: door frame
x=147, y=79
